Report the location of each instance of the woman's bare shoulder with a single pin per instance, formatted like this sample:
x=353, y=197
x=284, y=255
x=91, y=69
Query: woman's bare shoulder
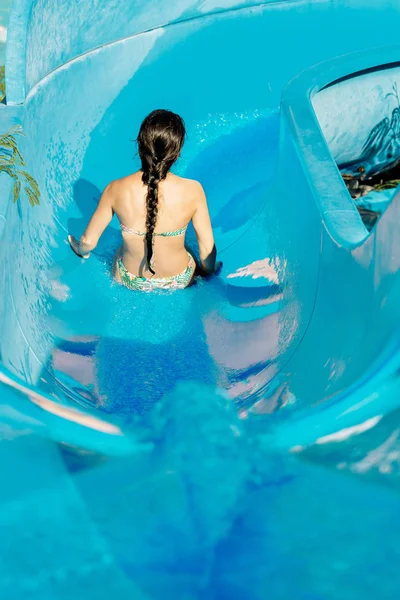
x=190, y=187
x=125, y=186
x=129, y=181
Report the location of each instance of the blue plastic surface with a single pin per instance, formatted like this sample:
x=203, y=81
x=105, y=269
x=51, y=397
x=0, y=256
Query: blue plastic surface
x=195, y=445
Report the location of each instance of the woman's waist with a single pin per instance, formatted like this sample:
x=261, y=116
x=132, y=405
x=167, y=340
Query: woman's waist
x=164, y=264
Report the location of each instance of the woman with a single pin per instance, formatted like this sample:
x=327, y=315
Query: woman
x=154, y=208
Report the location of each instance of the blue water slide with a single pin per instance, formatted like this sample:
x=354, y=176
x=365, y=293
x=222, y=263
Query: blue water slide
x=145, y=437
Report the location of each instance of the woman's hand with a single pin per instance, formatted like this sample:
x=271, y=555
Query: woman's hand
x=201, y=272
x=75, y=247
x=218, y=267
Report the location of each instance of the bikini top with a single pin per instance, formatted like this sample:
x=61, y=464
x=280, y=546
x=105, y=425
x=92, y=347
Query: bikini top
x=163, y=234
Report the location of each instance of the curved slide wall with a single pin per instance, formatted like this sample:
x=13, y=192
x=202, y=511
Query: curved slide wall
x=85, y=136
x=49, y=34
x=359, y=118
x=225, y=101
x=68, y=335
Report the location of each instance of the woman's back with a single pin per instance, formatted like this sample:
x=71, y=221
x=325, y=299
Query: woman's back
x=177, y=199
x=154, y=208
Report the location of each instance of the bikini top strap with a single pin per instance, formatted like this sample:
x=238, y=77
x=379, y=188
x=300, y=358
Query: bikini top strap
x=163, y=234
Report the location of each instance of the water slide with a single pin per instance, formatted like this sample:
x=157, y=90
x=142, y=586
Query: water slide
x=240, y=439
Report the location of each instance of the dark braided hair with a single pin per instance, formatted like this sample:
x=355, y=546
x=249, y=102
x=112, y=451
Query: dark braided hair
x=160, y=140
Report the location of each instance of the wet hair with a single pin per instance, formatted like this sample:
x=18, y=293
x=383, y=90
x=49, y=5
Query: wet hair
x=160, y=140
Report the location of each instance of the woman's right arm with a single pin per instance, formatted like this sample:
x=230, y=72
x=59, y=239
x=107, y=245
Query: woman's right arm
x=97, y=224
x=204, y=233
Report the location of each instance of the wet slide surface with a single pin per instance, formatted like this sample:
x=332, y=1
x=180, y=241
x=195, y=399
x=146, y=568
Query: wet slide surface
x=158, y=426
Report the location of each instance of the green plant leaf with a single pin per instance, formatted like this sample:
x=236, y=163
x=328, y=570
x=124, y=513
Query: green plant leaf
x=16, y=189
x=11, y=161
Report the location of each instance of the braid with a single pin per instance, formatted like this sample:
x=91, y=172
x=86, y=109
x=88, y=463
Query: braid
x=151, y=178
x=160, y=141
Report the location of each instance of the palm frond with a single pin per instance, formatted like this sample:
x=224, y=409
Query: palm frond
x=12, y=154
x=16, y=189
x=31, y=188
x=33, y=194
x=14, y=130
x=5, y=156
x=8, y=144
x=9, y=171
x=11, y=161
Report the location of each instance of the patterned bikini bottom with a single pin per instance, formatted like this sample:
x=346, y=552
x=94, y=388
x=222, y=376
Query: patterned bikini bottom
x=176, y=282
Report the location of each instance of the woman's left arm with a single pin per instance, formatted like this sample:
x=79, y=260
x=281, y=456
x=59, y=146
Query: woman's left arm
x=97, y=224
